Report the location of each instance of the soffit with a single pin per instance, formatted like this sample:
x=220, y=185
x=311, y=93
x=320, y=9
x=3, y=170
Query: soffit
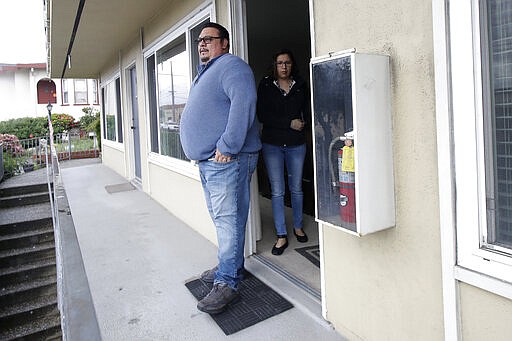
x=106, y=26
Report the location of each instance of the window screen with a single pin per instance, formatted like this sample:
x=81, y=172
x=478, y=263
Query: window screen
x=499, y=122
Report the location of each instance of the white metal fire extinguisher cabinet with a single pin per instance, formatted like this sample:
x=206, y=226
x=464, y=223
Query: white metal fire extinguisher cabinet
x=353, y=152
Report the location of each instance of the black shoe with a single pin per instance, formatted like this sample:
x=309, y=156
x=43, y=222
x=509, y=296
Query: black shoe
x=301, y=239
x=218, y=299
x=209, y=275
x=277, y=251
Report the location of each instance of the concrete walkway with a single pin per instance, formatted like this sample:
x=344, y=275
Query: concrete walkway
x=137, y=258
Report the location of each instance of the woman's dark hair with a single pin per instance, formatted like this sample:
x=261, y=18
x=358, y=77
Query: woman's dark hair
x=223, y=33
x=295, y=69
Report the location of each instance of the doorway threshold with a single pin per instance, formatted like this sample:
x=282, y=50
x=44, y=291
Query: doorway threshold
x=287, y=285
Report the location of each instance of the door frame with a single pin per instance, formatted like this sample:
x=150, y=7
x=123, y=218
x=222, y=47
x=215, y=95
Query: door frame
x=132, y=104
x=238, y=26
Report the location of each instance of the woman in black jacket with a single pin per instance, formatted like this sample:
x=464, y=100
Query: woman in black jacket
x=282, y=105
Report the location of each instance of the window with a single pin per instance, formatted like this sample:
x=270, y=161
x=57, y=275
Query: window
x=94, y=91
x=65, y=91
x=498, y=125
x=111, y=106
x=481, y=88
x=80, y=91
x=170, y=66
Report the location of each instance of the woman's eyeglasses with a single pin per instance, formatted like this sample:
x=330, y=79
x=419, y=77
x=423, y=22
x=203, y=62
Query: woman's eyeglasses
x=281, y=63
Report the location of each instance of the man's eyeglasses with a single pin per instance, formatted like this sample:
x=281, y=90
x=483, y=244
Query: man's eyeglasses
x=206, y=39
x=280, y=63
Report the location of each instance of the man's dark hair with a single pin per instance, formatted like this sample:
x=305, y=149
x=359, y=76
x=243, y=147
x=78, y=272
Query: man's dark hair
x=223, y=33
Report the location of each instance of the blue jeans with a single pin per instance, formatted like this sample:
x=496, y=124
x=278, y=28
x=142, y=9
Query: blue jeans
x=226, y=190
x=275, y=159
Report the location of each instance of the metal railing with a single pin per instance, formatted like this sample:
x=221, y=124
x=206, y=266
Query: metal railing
x=1, y=161
x=28, y=154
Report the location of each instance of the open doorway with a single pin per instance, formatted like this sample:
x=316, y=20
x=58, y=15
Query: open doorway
x=272, y=25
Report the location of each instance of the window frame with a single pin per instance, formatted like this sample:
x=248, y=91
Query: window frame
x=75, y=81
x=65, y=91
x=476, y=263
x=185, y=26
x=118, y=118
x=95, y=97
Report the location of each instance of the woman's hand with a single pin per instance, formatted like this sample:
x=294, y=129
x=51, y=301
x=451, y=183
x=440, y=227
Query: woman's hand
x=297, y=124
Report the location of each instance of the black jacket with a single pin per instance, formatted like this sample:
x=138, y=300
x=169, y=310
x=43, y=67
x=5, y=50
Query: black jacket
x=275, y=112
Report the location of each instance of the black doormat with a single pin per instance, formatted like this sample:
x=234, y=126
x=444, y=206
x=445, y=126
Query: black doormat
x=257, y=302
x=312, y=253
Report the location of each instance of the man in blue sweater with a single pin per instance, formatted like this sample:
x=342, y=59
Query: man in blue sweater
x=218, y=130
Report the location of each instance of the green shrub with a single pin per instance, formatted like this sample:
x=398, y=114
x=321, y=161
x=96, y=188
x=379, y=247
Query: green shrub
x=97, y=130
x=87, y=122
x=63, y=122
x=25, y=127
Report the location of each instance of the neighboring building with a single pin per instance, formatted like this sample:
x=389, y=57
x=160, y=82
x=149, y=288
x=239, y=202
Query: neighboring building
x=25, y=91
x=445, y=270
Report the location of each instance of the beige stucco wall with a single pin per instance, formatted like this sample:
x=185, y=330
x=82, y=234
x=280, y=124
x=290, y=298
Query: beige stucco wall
x=484, y=316
x=387, y=286
x=114, y=158
x=183, y=197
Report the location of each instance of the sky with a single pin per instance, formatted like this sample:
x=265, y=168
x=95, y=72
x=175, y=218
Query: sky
x=22, y=37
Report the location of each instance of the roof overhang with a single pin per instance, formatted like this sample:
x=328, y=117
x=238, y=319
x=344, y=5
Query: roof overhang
x=83, y=35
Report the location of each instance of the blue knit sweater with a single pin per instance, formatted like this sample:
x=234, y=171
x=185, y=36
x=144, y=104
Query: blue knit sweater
x=220, y=111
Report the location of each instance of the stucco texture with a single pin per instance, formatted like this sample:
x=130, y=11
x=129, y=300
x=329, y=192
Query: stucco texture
x=484, y=316
x=387, y=286
x=184, y=197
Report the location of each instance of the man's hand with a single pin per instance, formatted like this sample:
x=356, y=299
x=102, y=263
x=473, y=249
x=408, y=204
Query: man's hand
x=221, y=158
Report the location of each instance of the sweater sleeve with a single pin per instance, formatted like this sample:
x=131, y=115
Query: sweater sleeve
x=239, y=86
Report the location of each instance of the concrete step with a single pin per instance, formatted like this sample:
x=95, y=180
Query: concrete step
x=31, y=312
x=36, y=269
x=42, y=304
x=7, y=229
x=23, y=214
x=43, y=328
x=19, y=257
x=26, y=239
x=24, y=199
x=28, y=284
x=21, y=189
x=28, y=291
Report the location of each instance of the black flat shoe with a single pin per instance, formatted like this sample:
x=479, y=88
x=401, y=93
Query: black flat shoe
x=277, y=251
x=301, y=239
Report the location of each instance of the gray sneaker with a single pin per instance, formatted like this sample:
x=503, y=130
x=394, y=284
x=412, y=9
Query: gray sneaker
x=209, y=275
x=218, y=299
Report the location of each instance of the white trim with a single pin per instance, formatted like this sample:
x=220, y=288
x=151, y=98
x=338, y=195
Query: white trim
x=182, y=27
x=322, y=270
x=112, y=79
x=484, y=282
x=186, y=168
x=445, y=171
x=113, y=144
x=238, y=26
x=468, y=135
x=312, y=28
x=130, y=145
x=205, y=10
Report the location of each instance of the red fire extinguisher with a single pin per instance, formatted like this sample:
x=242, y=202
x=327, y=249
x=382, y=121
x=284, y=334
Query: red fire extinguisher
x=346, y=178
